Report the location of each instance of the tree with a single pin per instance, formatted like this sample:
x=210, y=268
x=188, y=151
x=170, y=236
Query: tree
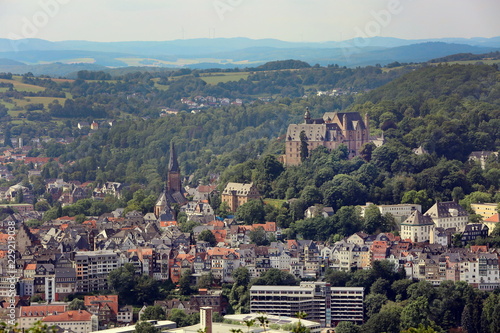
x=185, y=283
x=387, y=320
x=207, y=236
x=122, y=281
x=276, y=277
x=347, y=327
x=373, y=219
x=235, y=330
x=420, y=329
x=343, y=190
x=304, y=151
x=19, y=196
x=416, y=313
x=77, y=304
x=154, y=312
x=258, y=236
x=374, y=303
x=241, y=276
x=146, y=327
x=419, y=198
x=206, y=280
x=367, y=150
x=299, y=328
x=249, y=323
x=264, y=322
x=251, y=212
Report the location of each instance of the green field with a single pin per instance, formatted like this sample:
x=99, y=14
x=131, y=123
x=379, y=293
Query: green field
x=19, y=86
x=35, y=100
x=274, y=202
x=214, y=78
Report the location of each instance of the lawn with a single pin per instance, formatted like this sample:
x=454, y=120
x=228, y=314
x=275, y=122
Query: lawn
x=274, y=202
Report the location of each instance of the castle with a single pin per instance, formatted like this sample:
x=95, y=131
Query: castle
x=331, y=131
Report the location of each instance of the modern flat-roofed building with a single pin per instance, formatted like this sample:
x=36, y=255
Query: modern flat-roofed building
x=322, y=303
x=92, y=269
x=310, y=297
x=347, y=304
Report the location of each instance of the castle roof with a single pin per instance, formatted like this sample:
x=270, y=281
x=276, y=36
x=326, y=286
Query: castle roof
x=241, y=189
x=446, y=209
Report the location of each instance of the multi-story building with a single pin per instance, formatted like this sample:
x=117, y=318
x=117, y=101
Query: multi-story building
x=473, y=231
x=347, y=304
x=223, y=262
x=28, y=315
x=417, y=227
x=448, y=215
x=491, y=222
x=396, y=210
x=93, y=268
x=79, y=321
x=314, y=298
x=484, y=209
x=237, y=194
x=331, y=131
x=322, y=303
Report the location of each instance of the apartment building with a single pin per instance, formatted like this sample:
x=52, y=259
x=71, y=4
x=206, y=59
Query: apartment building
x=93, y=268
x=347, y=304
x=314, y=298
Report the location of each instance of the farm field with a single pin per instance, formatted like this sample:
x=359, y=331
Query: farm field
x=19, y=86
x=214, y=78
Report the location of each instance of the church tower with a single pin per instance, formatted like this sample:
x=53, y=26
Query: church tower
x=174, y=174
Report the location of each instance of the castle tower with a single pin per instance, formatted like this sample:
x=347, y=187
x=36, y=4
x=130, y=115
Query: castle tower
x=307, y=116
x=174, y=175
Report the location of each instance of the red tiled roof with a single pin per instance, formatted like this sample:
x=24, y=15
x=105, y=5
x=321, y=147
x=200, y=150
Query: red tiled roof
x=493, y=218
x=165, y=224
x=39, y=159
x=30, y=267
x=41, y=310
x=101, y=300
x=80, y=315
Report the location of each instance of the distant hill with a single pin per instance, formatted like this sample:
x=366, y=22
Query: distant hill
x=468, y=57
x=55, y=69
x=9, y=62
x=206, y=53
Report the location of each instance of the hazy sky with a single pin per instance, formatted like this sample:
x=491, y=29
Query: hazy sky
x=290, y=20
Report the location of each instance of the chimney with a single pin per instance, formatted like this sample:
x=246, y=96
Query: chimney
x=206, y=319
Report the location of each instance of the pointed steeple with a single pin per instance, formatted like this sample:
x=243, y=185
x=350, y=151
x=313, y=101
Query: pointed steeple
x=173, y=165
x=174, y=183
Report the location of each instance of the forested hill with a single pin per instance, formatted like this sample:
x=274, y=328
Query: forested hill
x=450, y=110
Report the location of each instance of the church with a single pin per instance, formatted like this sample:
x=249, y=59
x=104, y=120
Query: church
x=174, y=192
x=331, y=131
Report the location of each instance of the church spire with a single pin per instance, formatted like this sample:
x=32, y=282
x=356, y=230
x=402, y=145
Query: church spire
x=173, y=165
x=174, y=183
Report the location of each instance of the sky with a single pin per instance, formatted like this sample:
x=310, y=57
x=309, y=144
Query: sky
x=288, y=20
